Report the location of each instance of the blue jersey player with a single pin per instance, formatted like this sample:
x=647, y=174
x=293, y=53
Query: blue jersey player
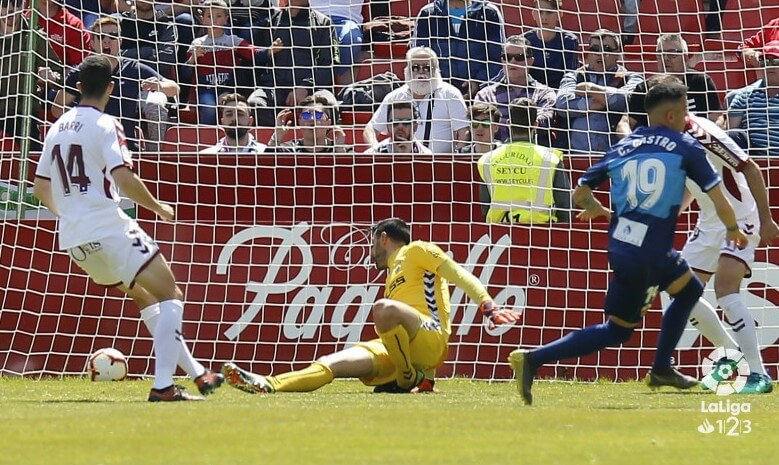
x=647, y=171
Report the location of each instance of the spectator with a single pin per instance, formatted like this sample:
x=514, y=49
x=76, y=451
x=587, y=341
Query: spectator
x=346, y=16
x=214, y=57
x=517, y=83
x=403, y=119
x=753, y=113
x=593, y=99
x=485, y=122
x=440, y=105
x=555, y=51
x=67, y=34
x=316, y=124
x=14, y=35
x=300, y=69
x=149, y=36
x=466, y=35
x=87, y=10
x=754, y=45
x=524, y=182
x=630, y=20
x=672, y=58
x=236, y=121
x=138, y=89
x=246, y=16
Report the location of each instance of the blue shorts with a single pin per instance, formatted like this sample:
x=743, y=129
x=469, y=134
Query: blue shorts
x=636, y=283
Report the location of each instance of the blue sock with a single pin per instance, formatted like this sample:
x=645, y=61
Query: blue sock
x=582, y=342
x=675, y=320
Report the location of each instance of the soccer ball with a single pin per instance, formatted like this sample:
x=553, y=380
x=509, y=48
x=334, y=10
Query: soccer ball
x=107, y=365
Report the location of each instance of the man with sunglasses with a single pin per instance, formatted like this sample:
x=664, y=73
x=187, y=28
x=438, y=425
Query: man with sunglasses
x=485, y=121
x=518, y=83
x=753, y=112
x=440, y=105
x=593, y=99
x=672, y=57
x=403, y=120
x=139, y=91
x=313, y=121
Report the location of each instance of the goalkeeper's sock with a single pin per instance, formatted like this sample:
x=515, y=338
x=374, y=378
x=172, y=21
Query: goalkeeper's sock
x=582, y=342
x=186, y=361
x=308, y=379
x=704, y=318
x=744, y=331
x=167, y=343
x=399, y=349
x=675, y=320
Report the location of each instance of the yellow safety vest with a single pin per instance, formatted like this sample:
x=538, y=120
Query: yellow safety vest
x=519, y=176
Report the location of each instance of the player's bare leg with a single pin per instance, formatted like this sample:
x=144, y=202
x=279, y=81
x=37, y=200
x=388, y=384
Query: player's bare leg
x=354, y=362
x=397, y=324
x=727, y=285
x=157, y=280
x=686, y=290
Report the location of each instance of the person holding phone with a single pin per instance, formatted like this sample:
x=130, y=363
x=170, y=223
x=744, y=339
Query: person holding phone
x=314, y=127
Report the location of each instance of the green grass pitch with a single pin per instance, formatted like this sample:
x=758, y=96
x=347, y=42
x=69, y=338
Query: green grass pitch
x=75, y=421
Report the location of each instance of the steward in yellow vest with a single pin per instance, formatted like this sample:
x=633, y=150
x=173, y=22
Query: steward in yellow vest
x=524, y=182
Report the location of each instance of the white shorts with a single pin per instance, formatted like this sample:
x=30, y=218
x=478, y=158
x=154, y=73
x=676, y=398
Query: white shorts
x=703, y=249
x=117, y=258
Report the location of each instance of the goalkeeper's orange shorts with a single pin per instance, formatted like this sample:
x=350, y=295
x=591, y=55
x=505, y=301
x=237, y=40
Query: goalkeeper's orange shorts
x=429, y=349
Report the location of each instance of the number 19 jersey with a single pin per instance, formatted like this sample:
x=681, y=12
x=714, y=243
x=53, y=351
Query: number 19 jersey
x=80, y=152
x=647, y=170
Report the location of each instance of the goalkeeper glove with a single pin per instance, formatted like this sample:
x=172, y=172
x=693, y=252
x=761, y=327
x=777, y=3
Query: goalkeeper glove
x=495, y=316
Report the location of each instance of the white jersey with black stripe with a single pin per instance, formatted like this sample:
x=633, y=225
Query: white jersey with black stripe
x=728, y=159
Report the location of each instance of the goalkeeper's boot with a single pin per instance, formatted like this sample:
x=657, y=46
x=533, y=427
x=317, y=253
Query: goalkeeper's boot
x=722, y=371
x=393, y=388
x=524, y=372
x=209, y=382
x=173, y=393
x=757, y=383
x=246, y=381
x=659, y=377
x=426, y=386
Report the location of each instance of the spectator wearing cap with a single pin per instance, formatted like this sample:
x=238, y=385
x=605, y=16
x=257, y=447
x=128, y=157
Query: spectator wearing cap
x=753, y=111
x=672, y=57
x=403, y=121
x=236, y=121
x=467, y=36
x=752, y=47
x=518, y=83
x=593, y=99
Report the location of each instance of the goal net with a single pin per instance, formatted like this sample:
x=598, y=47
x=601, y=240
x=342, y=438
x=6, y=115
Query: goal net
x=271, y=244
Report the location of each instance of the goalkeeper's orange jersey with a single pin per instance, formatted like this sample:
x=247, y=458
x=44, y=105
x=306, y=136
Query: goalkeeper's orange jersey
x=412, y=279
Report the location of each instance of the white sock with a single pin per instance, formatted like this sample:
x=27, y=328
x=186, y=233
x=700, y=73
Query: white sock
x=167, y=345
x=704, y=318
x=186, y=361
x=744, y=332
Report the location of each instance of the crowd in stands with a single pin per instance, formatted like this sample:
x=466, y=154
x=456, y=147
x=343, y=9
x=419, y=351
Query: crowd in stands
x=244, y=64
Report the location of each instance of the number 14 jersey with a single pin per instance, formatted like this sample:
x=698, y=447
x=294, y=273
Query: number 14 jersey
x=647, y=170
x=80, y=152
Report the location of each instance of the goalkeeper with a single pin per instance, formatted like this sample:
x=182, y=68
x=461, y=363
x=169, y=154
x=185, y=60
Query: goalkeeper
x=412, y=321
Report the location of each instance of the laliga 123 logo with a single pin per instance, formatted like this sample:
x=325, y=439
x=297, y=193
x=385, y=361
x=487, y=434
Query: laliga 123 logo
x=725, y=371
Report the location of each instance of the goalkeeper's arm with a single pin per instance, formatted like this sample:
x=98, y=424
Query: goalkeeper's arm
x=466, y=281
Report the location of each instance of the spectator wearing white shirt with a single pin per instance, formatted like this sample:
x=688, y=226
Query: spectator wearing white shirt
x=236, y=121
x=443, y=114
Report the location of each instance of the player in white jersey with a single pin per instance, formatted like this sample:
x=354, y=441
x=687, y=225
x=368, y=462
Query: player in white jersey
x=85, y=158
x=708, y=253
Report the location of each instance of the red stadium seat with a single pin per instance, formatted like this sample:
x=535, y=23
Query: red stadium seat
x=370, y=68
x=356, y=118
x=744, y=18
x=727, y=75
x=587, y=17
x=661, y=16
x=517, y=16
x=189, y=139
x=407, y=8
x=8, y=143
